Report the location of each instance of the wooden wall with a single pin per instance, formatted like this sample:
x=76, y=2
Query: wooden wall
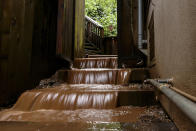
x=127, y=32
x=65, y=29
x=15, y=61
x=110, y=46
x=79, y=28
x=43, y=57
x=28, y=36
x=70, y=42
x=27, y=45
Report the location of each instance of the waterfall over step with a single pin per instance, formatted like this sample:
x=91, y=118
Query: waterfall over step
x=86, y=71
x=95, y=76
x=92, y=83
x=60, y=99
x=107, y=62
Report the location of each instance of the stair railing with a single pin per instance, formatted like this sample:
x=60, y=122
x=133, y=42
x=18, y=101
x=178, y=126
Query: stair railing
x=94, y=32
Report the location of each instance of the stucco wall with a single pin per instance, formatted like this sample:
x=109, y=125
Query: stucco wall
x=175, y=42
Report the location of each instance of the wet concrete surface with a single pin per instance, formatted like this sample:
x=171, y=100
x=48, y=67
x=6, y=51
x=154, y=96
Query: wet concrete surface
x=122, y=118
x=96, y=126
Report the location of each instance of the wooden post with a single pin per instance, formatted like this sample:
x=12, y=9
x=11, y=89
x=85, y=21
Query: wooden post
x=102, y=37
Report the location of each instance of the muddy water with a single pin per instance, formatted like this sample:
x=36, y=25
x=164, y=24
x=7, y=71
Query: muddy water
x=94, y=126
x=59, y=99
x=137, y=118
x=95, y=76
x=82, y=63
x=71, y=97
x=122, y=114
x=89, y=98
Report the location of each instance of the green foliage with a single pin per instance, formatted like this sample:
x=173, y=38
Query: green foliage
x=105, y=13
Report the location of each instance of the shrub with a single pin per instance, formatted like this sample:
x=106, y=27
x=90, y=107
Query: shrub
x=105, y=13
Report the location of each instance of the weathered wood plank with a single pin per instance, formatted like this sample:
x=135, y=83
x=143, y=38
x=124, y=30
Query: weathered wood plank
x=70, y=36
x=65, y=29
x=127, y=33
x=27, y=44
x=79, y=28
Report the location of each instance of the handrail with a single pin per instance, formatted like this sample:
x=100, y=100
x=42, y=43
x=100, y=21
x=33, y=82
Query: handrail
x=94, y=32
x=93, y=21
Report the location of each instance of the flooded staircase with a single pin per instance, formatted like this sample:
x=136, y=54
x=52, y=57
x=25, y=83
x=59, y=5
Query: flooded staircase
x=93, y=95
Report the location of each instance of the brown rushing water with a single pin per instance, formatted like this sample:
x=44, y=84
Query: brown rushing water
x=122, y=118
x=96, y=76
x=71, y=97
x=89, y=101
x=65, y=100
x=121, y=114
x=106, y=62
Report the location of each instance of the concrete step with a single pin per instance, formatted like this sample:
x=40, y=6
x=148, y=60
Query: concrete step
x=102, y=76
x=71, y=97
x=108, y=62
x=94, y=76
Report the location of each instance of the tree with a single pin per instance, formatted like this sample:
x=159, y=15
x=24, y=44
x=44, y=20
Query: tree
x=105, y=13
